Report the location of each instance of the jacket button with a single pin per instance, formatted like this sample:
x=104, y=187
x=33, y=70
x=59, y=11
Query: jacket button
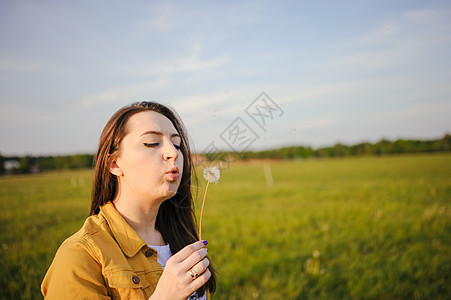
x=135, y=279
x=149, y=252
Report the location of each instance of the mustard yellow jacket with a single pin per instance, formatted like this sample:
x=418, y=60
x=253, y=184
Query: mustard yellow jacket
x=105, y=259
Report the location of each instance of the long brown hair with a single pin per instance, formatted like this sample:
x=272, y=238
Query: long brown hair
x=175, y=220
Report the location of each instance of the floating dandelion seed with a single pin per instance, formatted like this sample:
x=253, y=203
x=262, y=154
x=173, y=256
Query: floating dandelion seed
x=211, y=174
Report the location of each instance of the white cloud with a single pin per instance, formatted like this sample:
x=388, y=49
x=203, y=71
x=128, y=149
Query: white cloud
x=8, y=65
x=171, y=66
x=127, y=93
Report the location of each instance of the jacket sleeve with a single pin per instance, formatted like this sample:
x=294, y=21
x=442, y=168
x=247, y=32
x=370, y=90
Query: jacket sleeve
x=74, y=274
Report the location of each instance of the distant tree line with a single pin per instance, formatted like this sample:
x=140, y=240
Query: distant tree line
x=33, y=164
x=382, y=147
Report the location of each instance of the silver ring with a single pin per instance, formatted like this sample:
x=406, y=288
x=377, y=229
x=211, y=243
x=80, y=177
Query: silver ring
x=193, y=274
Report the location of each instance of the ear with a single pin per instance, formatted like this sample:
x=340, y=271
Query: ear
x=114, y=168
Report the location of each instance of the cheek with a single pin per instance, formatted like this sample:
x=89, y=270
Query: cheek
x=181, y=164
x=142, y=165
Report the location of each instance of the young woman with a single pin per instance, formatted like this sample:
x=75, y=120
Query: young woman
x=140, y=240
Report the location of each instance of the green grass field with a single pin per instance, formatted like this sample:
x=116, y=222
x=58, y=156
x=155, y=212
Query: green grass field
x=351, y=228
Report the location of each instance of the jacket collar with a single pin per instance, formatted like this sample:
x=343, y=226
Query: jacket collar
x=127, y=238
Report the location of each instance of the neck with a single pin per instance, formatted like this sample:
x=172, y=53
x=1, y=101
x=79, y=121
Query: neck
x=141, y=218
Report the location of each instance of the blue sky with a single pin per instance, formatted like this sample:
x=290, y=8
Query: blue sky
x=340, y=71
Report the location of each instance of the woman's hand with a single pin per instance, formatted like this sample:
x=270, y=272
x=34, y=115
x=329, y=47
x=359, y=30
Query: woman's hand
x=185, y=272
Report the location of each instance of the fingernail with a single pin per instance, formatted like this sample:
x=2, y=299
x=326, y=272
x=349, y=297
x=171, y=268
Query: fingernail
x=205, y=242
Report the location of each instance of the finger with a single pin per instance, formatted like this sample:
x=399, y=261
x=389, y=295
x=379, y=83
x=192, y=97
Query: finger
x=201, y=280
x=188, y=250
x=201, y=266
x=194, y=258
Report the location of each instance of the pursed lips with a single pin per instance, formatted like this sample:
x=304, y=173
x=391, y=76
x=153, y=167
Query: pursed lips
x=173, y=173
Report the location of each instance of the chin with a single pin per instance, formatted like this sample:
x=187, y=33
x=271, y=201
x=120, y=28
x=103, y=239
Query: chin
x=170, y=194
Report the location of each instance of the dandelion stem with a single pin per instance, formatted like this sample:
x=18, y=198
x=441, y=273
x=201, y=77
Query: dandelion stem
x=202, y=211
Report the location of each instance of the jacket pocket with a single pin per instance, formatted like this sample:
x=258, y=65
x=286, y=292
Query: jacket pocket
x=126, y=284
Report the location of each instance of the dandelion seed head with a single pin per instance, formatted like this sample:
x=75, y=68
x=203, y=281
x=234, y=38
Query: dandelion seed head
x=212, y=174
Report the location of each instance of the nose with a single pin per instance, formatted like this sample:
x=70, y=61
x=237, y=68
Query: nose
x=169, y=151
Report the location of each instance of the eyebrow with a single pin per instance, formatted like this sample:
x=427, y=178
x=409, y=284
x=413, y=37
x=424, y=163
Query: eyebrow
x=159, y=133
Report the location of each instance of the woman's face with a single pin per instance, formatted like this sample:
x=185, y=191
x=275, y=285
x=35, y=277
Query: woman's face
x=150, y=162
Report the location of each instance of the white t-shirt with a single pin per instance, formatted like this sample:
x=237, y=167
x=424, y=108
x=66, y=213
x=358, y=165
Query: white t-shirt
x=163, y=254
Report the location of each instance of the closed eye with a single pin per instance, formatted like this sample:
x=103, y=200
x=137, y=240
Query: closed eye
x=154, y=145
x=151, y=145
